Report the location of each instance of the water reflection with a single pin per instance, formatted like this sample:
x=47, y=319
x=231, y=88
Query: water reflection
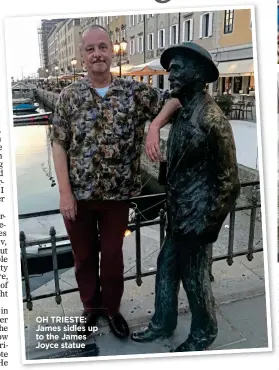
x=34, y=170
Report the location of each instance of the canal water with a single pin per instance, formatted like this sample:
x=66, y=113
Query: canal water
x=34, y=170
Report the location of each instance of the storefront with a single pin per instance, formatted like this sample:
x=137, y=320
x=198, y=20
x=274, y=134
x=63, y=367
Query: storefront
x=236, y=77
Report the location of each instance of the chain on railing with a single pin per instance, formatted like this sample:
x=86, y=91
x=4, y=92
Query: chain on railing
x=61, y=250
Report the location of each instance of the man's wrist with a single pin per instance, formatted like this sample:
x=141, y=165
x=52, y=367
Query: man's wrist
x=154, y=126
x=66, y=189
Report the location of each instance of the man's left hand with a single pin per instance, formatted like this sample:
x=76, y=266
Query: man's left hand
x=152, y=144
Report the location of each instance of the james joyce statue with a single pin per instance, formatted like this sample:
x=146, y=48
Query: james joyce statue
x=202, y=186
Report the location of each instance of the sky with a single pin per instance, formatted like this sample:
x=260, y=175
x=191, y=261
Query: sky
x=22, y=46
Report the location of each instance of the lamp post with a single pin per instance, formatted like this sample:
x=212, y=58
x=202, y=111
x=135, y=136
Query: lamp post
x=119, y=49
x=73, y=63
x=56, y=70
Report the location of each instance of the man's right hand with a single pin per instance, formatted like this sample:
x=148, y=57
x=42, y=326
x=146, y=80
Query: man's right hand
x=68, y=205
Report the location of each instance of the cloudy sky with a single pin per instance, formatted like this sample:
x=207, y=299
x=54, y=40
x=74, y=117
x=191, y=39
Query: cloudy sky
x=22, y=46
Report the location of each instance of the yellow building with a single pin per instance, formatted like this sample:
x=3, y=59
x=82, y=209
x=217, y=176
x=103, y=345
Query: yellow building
x=235, y=48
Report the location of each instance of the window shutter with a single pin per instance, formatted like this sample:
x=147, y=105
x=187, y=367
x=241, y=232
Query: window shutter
x=170, y=35
x=191, y=36
x=164, y=37
x=210, y=27
x=158, y=41
x=201, y=21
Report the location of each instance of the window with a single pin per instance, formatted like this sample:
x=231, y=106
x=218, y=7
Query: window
x=150, y=41
x=206, y=25
x=132, y=20
x=188, y=30
x=123, y=34
x=174, y=34
x=132, y=46
x=228, y=21
x=141, y=17
x=161, y=82
x=117, y=35
x=140, y=44
x=161, y=38
x=237, y=86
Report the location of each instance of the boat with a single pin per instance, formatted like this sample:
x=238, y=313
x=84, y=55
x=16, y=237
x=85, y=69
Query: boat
x=31, y=119
x=25, y=107
x=23, y=98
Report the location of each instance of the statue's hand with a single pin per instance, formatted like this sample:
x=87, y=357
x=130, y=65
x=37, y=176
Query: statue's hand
x=152, y=144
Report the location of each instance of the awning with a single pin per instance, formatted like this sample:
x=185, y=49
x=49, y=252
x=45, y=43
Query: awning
x=236, y=68
x=124, y=69
x=148, y=69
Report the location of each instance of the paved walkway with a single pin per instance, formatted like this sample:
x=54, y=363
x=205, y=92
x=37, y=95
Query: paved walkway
x=241, y=311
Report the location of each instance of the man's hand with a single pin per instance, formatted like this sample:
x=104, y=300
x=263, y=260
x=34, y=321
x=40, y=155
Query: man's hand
x=152, y=144
x=68, y=205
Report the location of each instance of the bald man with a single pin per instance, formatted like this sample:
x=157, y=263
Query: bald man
x=98, y=129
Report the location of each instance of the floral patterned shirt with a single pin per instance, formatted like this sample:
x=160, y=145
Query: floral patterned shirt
x=103, y=136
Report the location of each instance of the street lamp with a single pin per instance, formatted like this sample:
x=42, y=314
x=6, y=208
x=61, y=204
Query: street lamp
x=56, y=69
x=119, y=49
x=73, y=63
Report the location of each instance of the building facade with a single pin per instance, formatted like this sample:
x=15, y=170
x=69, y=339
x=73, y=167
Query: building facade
x=64, y=46
x=227, y=35
x=235, y=52
x=43, y=32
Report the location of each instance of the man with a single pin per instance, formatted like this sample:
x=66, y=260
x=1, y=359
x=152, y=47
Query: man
x=98, y=128
x=202, y=187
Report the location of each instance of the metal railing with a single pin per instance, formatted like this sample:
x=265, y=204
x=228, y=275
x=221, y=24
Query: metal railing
x=58, y=252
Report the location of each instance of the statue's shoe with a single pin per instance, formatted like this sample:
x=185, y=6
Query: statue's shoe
x=194, y=344
x=148, y=335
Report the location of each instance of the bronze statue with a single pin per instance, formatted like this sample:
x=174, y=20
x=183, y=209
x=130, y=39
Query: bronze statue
x=202, y=186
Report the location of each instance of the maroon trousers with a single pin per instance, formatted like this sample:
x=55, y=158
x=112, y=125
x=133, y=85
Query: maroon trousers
x=110, y=219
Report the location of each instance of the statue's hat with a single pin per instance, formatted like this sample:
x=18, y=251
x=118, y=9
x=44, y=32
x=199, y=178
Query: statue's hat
x=191, y=49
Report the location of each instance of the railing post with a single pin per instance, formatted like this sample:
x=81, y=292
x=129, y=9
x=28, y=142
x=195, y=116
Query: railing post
x=231, y=237
x=138, y=250
x=52, y=234
x=162, y=215
x=22, y=240
x=252, y=224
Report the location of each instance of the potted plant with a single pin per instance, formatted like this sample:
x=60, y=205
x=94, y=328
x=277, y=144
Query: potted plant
x=225, y=102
